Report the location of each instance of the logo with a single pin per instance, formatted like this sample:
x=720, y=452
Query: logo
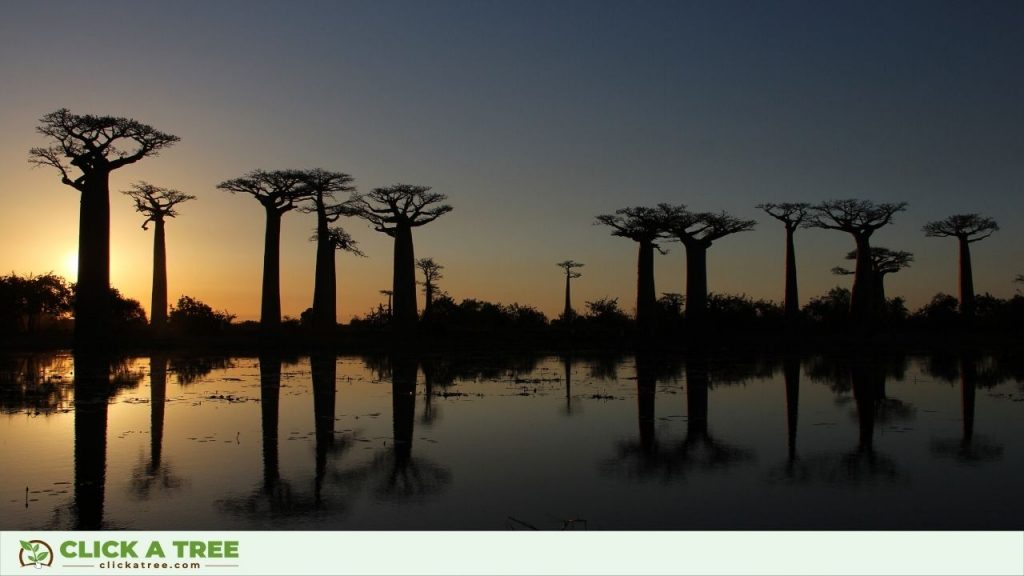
x=35, y=553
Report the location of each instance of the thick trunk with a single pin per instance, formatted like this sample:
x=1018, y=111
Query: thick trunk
x=270, y=399
x=92, y=381
x=863, y=302
x=325, y=307
x=92, y=308
x=270, y=309
x=646, y=304
x=792, y=298
x=404, y=281
x=880, y=305
x=567, y=312
x=158, y=312
x=696, y=280
x=966, y=279
x=429, y=296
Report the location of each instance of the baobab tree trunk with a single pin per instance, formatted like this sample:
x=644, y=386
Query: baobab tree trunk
x=429, y=297
x=792, y=298
x=863, y=302
x=404, y=280
x=270, y=308
x=92, y=298
x=567, y=313
x=696, y=281
x=966, y=279
x=158, y=313
x=325, y=306
x=645, y=300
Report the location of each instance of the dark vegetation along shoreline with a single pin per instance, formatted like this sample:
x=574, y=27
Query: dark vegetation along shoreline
x=47, y=312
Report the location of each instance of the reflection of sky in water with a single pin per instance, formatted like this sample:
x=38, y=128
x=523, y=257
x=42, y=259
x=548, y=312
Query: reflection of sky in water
x=504, y=441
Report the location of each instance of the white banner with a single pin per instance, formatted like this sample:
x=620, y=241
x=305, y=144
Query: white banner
x=38, y=553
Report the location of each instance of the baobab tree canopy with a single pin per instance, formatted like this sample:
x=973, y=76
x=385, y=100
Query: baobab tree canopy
x=390, y=208
x=883, y=260
x=970, y=227
x=639, y=223
x=792, y=214
x=853, y=215
x=156, y=202
x=277, y=190
x=94, y=144
x=703, y=227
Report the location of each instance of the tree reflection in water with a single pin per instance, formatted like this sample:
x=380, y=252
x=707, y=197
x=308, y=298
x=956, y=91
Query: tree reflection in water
x=155, y=475
x=395, y=474
x=648, y=457
x=968, y=449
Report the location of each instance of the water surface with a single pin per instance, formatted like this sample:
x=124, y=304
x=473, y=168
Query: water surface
x=631, y=442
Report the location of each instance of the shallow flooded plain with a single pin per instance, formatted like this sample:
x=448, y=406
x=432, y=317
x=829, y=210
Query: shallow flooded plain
x=494, y=443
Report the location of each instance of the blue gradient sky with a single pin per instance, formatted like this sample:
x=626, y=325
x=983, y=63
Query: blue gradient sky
x=533, y=117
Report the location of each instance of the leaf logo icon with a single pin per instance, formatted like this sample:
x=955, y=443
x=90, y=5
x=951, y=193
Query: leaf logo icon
x=35, y=553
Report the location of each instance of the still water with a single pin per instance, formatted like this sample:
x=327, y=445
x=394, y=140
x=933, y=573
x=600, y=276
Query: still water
x=478, y=443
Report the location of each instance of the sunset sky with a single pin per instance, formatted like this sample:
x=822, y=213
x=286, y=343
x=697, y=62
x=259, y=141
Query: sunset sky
x=533, y=117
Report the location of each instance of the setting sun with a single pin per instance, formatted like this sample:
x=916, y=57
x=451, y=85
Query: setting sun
x=70, y=268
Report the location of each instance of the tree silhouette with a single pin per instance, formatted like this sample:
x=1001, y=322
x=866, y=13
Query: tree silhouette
x=883, y=262
x=859, y=218
x=570, y=273
x=644, y=226
x=322, y=186
x=966, y=228
x=431, y=274
x=157, y=204
x=697, y=231
x=792, y=216
x=395, y=211
x=278, y=192
x=25, y=300
x=95, y=146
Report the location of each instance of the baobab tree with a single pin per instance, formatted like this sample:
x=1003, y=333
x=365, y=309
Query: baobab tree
x=697, y=231
x=645, y=226
x=431, y=274
x=321, y=187
x=157, y=204
x=883, y=262
x=966, y=228
x=95, y=146
x=860, y=219
x=278, y=191
x=395, y=211
x=570, y=267
x=792, y=216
